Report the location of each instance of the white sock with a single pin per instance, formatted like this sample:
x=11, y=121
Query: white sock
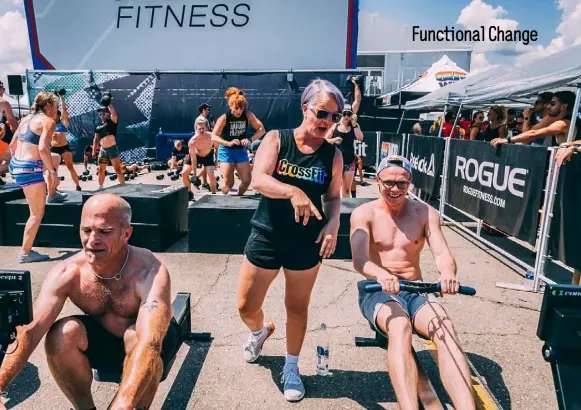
x=257, y=335
x=100, y=186
x=291, y=360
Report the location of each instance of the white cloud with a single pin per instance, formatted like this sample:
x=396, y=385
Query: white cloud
x=569, y=33
x=479, y=63
x=478, y=14
x=14, y=47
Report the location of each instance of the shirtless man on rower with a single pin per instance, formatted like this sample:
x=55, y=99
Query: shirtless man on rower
x=125, y=294
x=387, y=237
x=201, y=150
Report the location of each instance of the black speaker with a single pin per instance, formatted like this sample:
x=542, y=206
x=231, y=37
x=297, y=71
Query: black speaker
x=15, y=85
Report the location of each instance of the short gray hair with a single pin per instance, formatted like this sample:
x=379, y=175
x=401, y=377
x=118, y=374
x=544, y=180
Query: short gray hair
x=319, y=86
x=126, y=212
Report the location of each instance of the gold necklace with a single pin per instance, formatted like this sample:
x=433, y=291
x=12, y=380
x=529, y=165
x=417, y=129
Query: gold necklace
x=117, y=276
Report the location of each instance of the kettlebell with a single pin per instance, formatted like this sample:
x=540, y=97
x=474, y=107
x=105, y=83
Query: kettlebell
x=86, y=172
x=159, y=177
x=62, y=178
x=113, y=177
x=132, y=176
x=89, y=177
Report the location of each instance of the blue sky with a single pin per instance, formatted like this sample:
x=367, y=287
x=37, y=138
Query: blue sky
x=543, y=16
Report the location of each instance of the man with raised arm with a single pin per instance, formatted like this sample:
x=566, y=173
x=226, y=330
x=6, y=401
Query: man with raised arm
x=387, y=237
x=127, y=327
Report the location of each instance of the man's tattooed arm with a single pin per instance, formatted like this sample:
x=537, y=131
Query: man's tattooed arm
x=149, y=306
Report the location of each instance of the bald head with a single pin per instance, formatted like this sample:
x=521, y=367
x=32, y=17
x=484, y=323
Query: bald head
x=109, y=205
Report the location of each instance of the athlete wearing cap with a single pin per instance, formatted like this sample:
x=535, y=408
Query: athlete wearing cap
x=387, y=237
x=105, y=136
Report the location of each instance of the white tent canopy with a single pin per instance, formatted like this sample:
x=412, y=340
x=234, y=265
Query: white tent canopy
x=441, y=73
x=556, y=70
x=454, y=93
x=14, y=102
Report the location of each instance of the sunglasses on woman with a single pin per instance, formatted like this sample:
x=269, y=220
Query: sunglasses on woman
x=347, y=113
x=322, y=114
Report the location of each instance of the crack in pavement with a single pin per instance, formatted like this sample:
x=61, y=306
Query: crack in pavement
x=213, y=285
x=335, y=300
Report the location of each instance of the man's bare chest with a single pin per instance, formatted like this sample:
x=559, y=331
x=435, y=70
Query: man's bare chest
x=98, y=299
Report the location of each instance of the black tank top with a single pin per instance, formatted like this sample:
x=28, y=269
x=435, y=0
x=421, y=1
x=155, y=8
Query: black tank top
x=106, y=128
x=489, y=134
x=311, y=173
x=9, y=134
x=235, y=127
x=346, y=147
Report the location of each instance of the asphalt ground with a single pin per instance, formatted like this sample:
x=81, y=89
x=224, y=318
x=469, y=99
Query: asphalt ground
x=497, y=329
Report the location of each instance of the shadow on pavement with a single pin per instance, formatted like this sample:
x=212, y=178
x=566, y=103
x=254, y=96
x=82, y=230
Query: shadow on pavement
x=183, y=386
x=24, y=385
x=368, y=389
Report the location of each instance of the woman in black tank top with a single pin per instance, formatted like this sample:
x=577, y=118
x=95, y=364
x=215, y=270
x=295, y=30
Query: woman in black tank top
x=497, y=124
x=344, y=135
x=230, y=132
x=295, y=225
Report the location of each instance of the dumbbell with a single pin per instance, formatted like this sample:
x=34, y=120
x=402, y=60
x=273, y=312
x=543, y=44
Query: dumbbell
x=126, y=176
x=106, y=99
x=175, y=177
x=86, y=172
x=170, y=173
x=217, y=179
x=159, y=177
x=113, y=177
x=62, y=178
x=132, y=176
x=89, y=177
x=83, y=178
x=196, y=181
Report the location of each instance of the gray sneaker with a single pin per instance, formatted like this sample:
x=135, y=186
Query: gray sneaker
x=33, y=256
x=62, y=193
x=294, y=390
x=253, y=348
x=57, y=198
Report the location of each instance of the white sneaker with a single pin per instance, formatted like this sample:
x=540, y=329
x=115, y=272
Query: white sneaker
x=253, y=347
x=294, y=389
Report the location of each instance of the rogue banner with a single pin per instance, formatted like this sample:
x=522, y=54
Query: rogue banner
x=566, y=224
x=501, y=186
x=427, y=157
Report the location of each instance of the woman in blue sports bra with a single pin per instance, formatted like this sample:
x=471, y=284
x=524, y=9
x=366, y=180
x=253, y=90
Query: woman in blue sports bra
x=31, y=159
x=59, y=143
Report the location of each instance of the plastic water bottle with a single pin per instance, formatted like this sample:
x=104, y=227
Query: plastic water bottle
x=530, y=275
x=160, y=130
x=323, y=351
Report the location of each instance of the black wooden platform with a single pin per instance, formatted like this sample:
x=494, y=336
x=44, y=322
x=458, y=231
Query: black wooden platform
x=160, y=213
x=59, y=227
x=221, y=224
x=8, y=192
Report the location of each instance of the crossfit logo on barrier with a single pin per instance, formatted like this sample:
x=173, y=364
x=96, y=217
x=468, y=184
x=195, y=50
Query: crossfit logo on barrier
x=489, y=175
x=313, y=174
x=422, y=165
x=360, y=148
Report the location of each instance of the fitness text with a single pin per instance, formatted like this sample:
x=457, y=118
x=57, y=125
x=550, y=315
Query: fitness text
x=184, y=15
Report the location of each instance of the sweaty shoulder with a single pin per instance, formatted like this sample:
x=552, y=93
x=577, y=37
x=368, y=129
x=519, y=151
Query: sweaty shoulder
x=146, y=263
x=65, y=274
x=363, y=213
x=422, y=211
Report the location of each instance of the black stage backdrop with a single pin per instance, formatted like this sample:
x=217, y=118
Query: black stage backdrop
x=391, y=144
x=503, y=186
x=427, y=157
x=566, y=222
x=148, y=102
x=367, y=148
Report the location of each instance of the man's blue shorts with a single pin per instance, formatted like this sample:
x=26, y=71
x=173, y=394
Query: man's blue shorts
x=228, y=155
x=370, y=303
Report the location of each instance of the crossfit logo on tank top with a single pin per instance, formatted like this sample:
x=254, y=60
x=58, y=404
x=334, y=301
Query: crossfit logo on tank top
x=237, y=128
x=312, y=174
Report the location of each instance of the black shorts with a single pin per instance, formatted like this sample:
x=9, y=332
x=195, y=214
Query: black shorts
x=60, y=150
x=272, y=251
x=106, y=351
x=207, y=161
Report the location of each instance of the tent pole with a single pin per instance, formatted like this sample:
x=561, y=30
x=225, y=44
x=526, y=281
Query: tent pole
x=574, y=115
x=443, y=119
x=400, y=121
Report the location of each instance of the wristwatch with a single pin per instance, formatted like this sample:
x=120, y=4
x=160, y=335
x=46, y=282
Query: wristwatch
x=575, y=148
x=564, y=145
x=52, y=171
x=355, y=126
